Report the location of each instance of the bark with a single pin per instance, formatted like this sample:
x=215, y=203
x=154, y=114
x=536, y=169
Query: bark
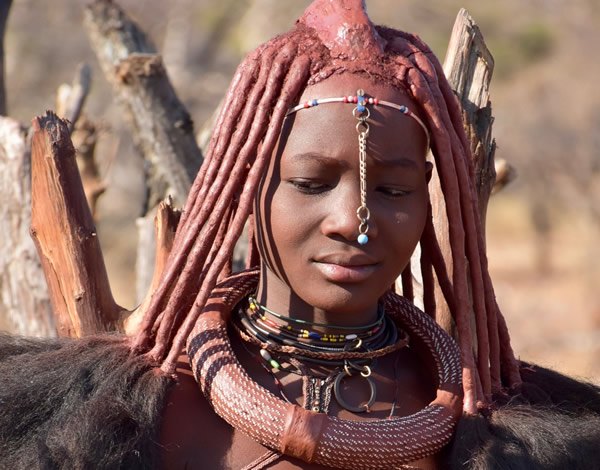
x=4, y=10
x=71, y=98
x=161, y=126
x=24, y=301
x=468, y=67
x=84, y=134
x=164, y=226
x=65, y=235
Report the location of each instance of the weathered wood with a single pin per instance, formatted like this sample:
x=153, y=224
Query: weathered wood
x=65, y=236
x=85, y=137
x=24, y=301
x=4, y=10
x=162, y=127
x=69, y=104
x=71, y=98
x=468, y=67
x=165, y=224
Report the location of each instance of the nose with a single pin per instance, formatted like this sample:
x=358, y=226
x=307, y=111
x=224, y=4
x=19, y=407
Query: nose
x=341, y=220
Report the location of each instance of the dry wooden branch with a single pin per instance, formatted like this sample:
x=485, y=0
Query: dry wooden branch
x=162, y=127
x=24, y=301
x=71, y=98
x=69, y=104
x=505, y=174
x=468, y=67
x=85, y=137
x=64, y=232
x=165, y=225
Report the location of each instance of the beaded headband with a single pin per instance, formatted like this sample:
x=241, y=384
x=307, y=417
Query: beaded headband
x=362, y=113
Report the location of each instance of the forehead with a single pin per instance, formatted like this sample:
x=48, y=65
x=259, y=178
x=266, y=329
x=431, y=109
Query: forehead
x=330, y=128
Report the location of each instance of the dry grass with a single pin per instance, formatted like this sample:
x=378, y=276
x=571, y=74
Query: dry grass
x=548, y=290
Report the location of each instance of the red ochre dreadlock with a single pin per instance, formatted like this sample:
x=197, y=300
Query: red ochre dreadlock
x=265, y=86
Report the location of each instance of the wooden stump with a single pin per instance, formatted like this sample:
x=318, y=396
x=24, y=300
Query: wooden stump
x=64, y=232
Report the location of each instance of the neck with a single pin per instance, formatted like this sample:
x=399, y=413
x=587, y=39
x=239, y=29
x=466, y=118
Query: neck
x=276, y=295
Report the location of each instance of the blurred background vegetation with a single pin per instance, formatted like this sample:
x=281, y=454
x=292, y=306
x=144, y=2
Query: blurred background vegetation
x=543, y=229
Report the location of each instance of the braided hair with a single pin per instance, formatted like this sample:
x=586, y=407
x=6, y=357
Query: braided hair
x=267, y=83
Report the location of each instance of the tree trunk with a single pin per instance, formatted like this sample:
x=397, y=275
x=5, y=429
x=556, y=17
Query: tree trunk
x=24, y=302
x=161, y=126
x=468, y=67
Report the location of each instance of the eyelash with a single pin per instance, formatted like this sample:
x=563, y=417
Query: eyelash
x=393, y=193
x=314, y=188
x=309, y=187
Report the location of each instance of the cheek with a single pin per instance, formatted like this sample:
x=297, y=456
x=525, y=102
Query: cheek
x=408, y=225
x=290, y=223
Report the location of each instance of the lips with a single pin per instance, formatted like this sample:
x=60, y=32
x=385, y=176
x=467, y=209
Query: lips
x=349, y=268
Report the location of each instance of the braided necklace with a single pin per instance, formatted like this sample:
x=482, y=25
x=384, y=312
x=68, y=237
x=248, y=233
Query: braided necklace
x=317, y=437
x=373, y=337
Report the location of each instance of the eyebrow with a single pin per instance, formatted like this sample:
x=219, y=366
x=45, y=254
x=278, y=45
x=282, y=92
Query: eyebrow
x=316, y=157
x=400, y=162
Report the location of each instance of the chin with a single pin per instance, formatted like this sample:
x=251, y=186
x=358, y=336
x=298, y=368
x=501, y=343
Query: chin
x=344, y=299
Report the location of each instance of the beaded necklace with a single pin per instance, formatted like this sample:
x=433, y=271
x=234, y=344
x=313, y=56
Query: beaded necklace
x=380, y=334
x=317, y=437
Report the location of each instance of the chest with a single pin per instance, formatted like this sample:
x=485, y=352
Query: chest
x=193, y=436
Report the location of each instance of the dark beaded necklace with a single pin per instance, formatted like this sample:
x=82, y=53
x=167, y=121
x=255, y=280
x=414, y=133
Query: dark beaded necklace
x=376, y=336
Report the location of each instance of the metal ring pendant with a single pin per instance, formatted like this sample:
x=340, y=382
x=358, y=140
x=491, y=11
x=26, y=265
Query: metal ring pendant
x=344, y=404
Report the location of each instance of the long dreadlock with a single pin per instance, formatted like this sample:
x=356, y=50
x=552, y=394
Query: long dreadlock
x=265, y=86
x=92, y=403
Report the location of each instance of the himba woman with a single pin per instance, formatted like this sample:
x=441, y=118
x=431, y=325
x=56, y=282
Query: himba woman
x=309, y=359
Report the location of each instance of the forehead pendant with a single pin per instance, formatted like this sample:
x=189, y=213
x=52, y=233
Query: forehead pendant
x=362, y=113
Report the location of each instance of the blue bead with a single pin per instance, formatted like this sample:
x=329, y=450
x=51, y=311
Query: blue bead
x=314, y=103
x=403, y=109
x=314, y=335
x=362, y=239
x=360, y=108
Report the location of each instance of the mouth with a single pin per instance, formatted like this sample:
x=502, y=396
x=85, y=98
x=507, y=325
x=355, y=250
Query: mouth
x=346, y=269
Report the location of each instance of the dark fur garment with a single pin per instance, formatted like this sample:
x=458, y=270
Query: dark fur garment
x=552, y=423
x=81, y=404
x=78, y=404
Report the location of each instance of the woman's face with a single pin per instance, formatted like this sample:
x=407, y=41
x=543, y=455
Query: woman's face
x=307, y=204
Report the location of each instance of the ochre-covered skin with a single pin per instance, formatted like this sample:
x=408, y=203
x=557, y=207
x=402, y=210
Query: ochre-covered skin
x=192, y=433
x=333, y=38
x=316, y=437
x=69, y=403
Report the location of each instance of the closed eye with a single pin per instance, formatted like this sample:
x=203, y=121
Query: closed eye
x=309, y=186
x=392, y=192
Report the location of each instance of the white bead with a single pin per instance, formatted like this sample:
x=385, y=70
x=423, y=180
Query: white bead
x=265, y=355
